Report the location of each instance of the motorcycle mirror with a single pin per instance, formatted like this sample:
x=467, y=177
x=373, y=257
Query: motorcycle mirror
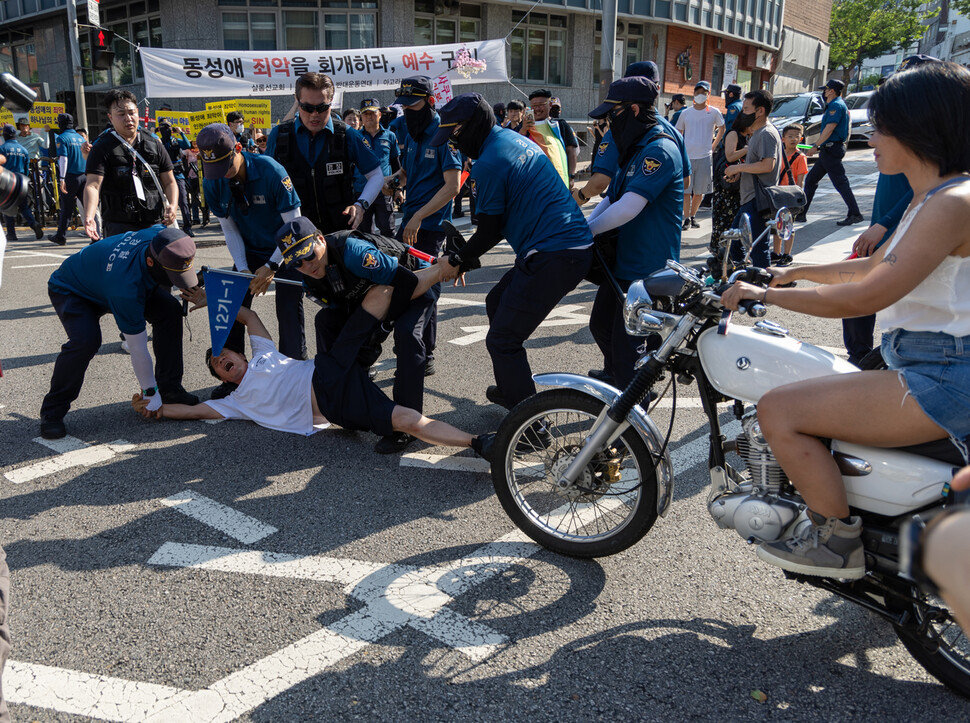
x=744, y=231
x=784, y=224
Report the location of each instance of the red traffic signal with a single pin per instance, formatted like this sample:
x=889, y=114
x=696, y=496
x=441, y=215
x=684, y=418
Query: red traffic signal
x=102, y=48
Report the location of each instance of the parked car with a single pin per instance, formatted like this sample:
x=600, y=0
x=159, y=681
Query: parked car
x=858, y=104
x=804, y=108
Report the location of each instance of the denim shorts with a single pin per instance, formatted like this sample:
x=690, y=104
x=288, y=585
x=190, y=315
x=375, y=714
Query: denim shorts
x=936, y=370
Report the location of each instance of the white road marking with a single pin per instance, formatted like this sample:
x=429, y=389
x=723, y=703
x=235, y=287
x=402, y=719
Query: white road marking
x=835, y=247
x=236, y=524
x=35, y=266
x=31, y=254
x=72, y=456
x=445, y=462
x=455, y=300
x=686, y=456
x=567, y=315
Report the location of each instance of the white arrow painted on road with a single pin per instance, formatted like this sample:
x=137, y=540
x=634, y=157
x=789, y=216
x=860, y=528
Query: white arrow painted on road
x=567, y=315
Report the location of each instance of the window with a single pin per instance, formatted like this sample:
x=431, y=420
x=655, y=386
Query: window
x=629, y=36
x=538, y=48
x=442, y=23
x=136, y=23
x=340, y=26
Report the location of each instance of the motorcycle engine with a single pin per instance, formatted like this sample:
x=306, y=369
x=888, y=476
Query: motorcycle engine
x=757, y=508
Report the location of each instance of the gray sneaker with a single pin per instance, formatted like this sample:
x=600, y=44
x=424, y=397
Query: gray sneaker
x=827, y=548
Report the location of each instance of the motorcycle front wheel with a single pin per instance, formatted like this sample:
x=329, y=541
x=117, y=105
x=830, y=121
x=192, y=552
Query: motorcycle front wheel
x=937, y=642
x=614, y=501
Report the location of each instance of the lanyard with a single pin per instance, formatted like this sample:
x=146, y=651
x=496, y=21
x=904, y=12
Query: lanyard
x=148, y=168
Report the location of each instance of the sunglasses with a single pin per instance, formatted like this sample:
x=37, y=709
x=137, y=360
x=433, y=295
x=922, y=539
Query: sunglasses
x=619, y=110
x=321, y=108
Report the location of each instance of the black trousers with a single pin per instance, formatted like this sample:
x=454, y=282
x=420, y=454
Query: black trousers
x=412, y=356
x=75, y=189
x=518, y=303
x=184, y=203
x=431, y=242
x=380, y=214
x=81, y=320
x=829, y=162
x=11, y=221
x=857, y=336
x=289, y=312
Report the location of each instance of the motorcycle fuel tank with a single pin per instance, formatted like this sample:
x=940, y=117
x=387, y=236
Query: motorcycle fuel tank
x=747, y=362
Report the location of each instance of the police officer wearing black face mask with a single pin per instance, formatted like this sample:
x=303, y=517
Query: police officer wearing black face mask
x=320, y=152
x=732, y=100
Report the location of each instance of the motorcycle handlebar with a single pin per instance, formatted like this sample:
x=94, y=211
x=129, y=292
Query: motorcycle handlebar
x=753, y=308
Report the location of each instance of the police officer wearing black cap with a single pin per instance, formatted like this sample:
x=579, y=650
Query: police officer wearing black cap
x=129, y=276
x=321, y=152
x=732, y=100
x=431, y=179
x=70, y=167
x=383, y=143
x=338, y=270
x=519, y=196
x=644, y=203
x=830, y=148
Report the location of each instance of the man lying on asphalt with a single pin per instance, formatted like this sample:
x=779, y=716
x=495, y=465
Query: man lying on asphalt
x=273, y=388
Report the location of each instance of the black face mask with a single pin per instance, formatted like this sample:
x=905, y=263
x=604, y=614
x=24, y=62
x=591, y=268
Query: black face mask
x=418, y=120
x=628, y=128
x=166, y=134
x=475, y=130
x=743, y=121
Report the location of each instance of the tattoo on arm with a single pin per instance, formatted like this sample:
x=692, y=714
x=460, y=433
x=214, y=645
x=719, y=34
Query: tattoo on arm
x=890, y=259
x=846, y=276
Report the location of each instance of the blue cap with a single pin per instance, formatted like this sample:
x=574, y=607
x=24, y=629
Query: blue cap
x=733, y=88
x=457, y=110
x=833, y=84
x=913, y=61
x=643, y=68
x=636, y=89
x=414, y=89
x=703, y=84
x=216, y=144
x=295, y=240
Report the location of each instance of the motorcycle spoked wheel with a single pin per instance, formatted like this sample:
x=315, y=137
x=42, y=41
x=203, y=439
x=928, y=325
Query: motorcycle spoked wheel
x=937, y=642
x=612, y=506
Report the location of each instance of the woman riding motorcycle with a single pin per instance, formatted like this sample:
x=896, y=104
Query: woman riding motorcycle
x=919, y=283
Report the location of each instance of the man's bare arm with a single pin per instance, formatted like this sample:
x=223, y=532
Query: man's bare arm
x=248, y=318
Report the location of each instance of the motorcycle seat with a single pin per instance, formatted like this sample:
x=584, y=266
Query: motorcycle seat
x=942, y=449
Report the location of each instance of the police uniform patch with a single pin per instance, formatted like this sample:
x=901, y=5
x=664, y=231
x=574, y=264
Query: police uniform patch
x=335, y=169
x=601, y=149
x=287, y=183
x=453, y=146
x=429, y=152
x=650, y=166
x=473, y=187
x=366, y=141
x=370, y=261
x=259, y=199
x=832, y=112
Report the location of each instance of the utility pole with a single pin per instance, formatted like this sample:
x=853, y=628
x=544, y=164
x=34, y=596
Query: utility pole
x=607, y=47
x=82, y=110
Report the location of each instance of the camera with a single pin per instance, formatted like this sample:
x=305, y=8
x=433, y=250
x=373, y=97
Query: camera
x=13, y=186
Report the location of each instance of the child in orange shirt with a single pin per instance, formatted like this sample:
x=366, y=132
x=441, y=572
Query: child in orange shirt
x=794, y=168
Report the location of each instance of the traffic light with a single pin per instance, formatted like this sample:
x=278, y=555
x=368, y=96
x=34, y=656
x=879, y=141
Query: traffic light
x=102, y=50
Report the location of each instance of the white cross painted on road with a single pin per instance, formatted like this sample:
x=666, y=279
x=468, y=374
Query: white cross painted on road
x=566, y=315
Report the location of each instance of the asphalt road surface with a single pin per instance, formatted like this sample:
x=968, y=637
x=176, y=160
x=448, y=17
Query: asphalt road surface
x=188, y=571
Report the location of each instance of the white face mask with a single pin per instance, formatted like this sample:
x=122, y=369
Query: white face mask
x=700, y=98
x=238, y=128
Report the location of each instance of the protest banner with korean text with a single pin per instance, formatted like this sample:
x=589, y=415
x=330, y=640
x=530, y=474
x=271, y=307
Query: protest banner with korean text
x=173, y=72
x=42, y=114
x=179, y=118
x=202, y=118
x=442, y=90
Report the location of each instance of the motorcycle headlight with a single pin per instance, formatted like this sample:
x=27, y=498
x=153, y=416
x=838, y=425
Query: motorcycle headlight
x=636, y=311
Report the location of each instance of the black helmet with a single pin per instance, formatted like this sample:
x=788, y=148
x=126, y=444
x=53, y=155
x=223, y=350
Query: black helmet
x=65, y=121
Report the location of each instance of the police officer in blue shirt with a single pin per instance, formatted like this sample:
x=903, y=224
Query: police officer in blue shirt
x=830, y=148
x=521, y=197
x=339, y=269
x=732, y=99
x=320, y=153
x=174, y=147
x=128, y=276
x=399, y=128
x=430, y=176
x=383, y=143
x=18, y=161
x=605, y=156
x=70, y=167
x=252, y=196
x=644, y=203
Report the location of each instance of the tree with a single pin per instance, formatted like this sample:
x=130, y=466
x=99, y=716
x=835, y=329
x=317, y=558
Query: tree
x=863, y=29
x=961, y=6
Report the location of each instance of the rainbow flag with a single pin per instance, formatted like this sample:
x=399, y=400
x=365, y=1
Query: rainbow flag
x=549, y=139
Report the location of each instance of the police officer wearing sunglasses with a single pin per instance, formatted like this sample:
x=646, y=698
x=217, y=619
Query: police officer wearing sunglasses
x=320, y=153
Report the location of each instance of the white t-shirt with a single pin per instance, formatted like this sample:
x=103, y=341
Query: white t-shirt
x=697, y=127
x=274, y=392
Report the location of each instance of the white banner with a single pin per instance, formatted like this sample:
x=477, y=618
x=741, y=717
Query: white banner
x=175, y=73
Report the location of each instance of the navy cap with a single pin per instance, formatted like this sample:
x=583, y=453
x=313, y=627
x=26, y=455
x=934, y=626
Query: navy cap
x=914, y=61
x=457, y=110
x=703, y=84
x=9, y=132
x=216, y=144
x=636, y=89
x=833, y=84
x=643, y=68
x=414, y=89
x=734, y=88
x=498, y=108
x=164, y=122
x=295, y=240
x=370, y=104
x=679, y=97
x=174, y=251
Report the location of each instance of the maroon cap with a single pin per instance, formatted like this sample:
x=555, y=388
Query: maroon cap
x=175, y=252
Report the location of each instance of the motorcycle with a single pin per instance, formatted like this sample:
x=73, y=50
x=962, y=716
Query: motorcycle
x=584, y=471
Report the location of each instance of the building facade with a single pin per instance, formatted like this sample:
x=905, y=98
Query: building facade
x=777, y=44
